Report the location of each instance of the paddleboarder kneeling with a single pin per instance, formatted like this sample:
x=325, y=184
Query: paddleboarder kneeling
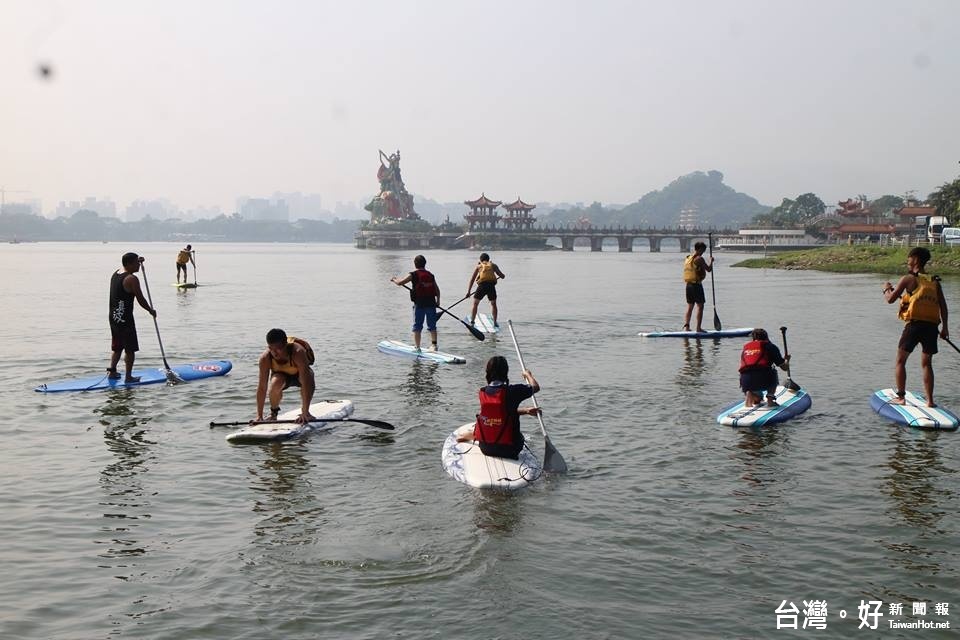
x=124, y=287
x=498, y=424
x=695, y=269
x=285, y=363
x=485, y=274
x=425, y=295
x=923, y=307
x=757, y=374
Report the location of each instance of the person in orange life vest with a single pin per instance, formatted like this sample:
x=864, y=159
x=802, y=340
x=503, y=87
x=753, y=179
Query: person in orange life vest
x=695, y=270
x=485, y=275
x=923, y=308
x=425, y=295
x=185, y=256
x=285, y=363
x=498, y=424
x=124, y=288
x=757, y=374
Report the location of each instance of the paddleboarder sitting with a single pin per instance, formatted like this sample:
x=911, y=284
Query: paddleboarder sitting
x=498, y=424
x=757, y=374
x=485, y=275
x=425, y=295
x=695, y=269
x=285, y=363
x=124, y=287
x=923, y=307
x=185, y=256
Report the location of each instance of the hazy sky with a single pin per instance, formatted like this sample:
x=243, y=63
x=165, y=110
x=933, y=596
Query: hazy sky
x=204, y=101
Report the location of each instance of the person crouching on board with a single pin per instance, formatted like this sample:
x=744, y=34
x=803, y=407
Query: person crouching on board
x=285, y=363
x=757, y=374
x=185, y=256
x=485, y=275
x=425, y=295
x=923, y=308
x=497, y=431
x=124, y=287
x=695, y=270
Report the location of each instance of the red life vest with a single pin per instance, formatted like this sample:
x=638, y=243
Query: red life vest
x=754, y=355
x=425, y=287
x=495, y=425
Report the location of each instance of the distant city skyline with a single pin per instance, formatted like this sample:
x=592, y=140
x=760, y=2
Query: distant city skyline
x=559, y=101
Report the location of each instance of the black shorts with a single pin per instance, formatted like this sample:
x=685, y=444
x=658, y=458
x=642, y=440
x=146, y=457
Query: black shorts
x=123, y=337
x=695, y=293
x=291, y=379
x=919, y=332
x=762, y=379
x=181, y=266
x=488, y=289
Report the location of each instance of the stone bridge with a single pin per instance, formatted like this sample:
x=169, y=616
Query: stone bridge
x=596, y=235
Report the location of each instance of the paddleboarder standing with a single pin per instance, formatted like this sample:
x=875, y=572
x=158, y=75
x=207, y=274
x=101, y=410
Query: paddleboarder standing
x=923, y=307
x=124, y=288
x=485, y=274
x=695, y=269
x=185, y=256
x=425, y=295
x=285, y=363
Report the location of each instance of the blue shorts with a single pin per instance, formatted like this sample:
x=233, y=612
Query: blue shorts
x=419, y=313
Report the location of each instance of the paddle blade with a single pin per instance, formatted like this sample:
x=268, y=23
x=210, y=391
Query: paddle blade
x=790, y=384
x=476, y=332
x=716, y=321
x=553, y=462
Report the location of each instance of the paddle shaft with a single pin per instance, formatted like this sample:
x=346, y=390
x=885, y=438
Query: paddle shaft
x=380, y=424
x=950, y=342
x=155, y=324
x=551, y=457
x=713, y=290
x=476, y=332
x=786, y=352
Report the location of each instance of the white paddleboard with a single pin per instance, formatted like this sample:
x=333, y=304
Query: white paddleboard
x=397, y=348
x=915, y=413
x=466, y=463
x=274, y=432
x=792, y=403
x=483, y=322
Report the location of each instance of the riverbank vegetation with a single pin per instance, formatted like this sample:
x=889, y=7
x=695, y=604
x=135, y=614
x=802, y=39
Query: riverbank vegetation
x=858, y=259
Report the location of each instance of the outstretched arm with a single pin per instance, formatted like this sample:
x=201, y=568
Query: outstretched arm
x=132, y=285
x=944, y=331
x=264, y=366
x=473, y=278
x=400, y=282
x=500, y=274
x=892, y=293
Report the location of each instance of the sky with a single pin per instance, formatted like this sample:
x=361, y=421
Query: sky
x=559, y=101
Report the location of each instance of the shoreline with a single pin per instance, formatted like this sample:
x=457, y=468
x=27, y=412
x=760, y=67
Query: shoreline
x=944, y=261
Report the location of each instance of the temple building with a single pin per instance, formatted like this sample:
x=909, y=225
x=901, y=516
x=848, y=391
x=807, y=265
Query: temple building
x=483, y=214
x=519, y=217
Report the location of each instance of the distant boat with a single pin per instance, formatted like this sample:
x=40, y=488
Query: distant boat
x=769, y=240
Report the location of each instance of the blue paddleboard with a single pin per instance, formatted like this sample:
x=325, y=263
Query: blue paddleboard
x=792, y=403
x=726, y=333
x=397, y=348
x=915, y=413
x=186, y=372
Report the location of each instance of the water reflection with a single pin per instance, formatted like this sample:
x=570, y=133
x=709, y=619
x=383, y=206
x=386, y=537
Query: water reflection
x=284, y=497
x=691, y=372
x=125, y=499
x=421, y=384
x=916, y=501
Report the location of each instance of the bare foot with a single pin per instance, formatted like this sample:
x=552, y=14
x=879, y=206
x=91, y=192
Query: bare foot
x=129, y=379
x=898, y=400
x=700, y=330
x=931, y=404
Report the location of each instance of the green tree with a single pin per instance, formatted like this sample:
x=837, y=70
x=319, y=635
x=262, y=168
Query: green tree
x=792, y=213
x=947, y=200
x=885, y=205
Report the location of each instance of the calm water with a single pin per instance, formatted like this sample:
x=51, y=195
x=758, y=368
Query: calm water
x=125, y=516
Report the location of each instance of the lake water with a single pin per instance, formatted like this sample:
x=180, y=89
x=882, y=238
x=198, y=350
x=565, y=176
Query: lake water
x=125, y=516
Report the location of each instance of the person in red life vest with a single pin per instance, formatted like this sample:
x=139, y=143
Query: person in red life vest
x=485, y=275
x=757, y=374
x=498, y=424
x=695, y=269
x=923, y=307
x=425, y=295
x=285, y=363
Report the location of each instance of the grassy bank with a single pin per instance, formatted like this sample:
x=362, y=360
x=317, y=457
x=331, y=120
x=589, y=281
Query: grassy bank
x=858, y=259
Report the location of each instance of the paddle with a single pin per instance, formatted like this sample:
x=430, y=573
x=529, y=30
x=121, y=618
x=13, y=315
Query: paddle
x=194, y=267
x=552, y=460
x=713, y=291
x=379, y=424
x=476, y=332
x=789, y=384
x=172, y=378
x=949, y=342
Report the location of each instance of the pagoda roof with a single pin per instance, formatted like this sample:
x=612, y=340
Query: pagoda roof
x=483, y=201
x=913, y=211
x=519, y=205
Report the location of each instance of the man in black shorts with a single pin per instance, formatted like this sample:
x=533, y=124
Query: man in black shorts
x=695, y=269
x=124, y=287
x=923, y=308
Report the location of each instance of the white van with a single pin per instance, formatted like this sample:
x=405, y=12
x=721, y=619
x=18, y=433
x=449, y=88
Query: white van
x=951, y=236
